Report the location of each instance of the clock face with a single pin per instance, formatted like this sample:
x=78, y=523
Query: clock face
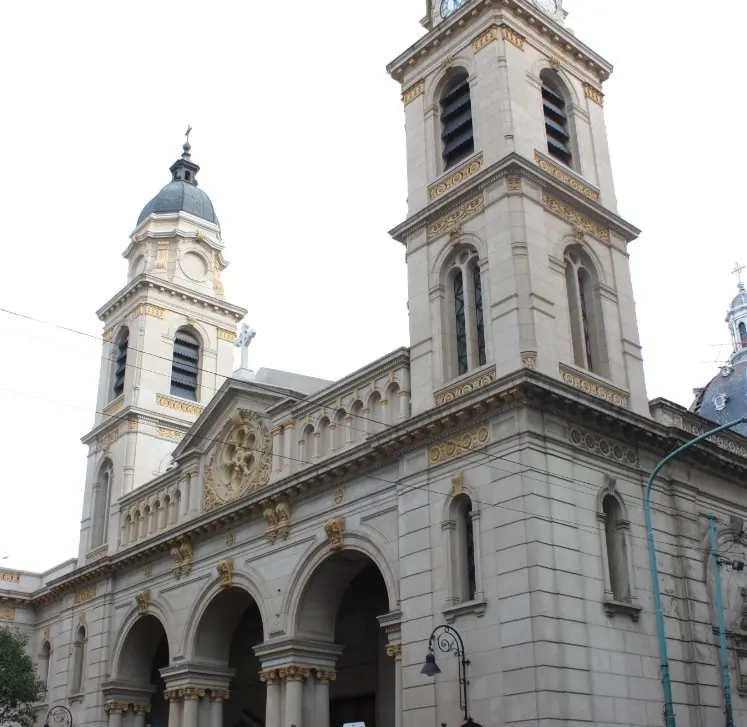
x=547, y=6
x=449, y=6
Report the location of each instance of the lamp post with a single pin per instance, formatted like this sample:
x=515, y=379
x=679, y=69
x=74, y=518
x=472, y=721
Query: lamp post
x=60, y=717
x=669, y=718
x=449, y=641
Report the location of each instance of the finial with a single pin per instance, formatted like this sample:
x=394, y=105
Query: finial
x=187, y=146
x=738, y=272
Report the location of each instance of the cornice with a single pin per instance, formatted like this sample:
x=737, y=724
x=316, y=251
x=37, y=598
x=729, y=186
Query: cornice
x=165, y=216
x=129, y=414
x=196, y=236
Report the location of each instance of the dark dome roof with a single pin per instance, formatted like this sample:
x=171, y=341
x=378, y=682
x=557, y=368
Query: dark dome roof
x=724, y=400
x=180, y=196
x=741, y=297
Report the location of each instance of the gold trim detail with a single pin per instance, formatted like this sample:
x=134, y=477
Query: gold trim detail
x=177, y=405
x=565, y=178
x=334, y=528
x=339, y=496
x=269, y=676
x=10, y=576
x=485, y=38
x=456, y=178
x=7, y=613
x=148, y=310
x=294, y=672
x=114, y=706
x=513, y=37
x=609, y=448
x=417, y=89
x=225, y=335
x=575, y=218
x=513, y=184
x=108, y=335
x=86, y=594
x=114, y=407
x=225, y=571
x=594, y=94
x=464, y=443
x=394, y=651
x=455, y=218
x=183, y=553
x=595, y=388
x=105, y=440
x=173, y=435
x=142, y=598
x=325, y=676
x=467, y=387
x=97, y=554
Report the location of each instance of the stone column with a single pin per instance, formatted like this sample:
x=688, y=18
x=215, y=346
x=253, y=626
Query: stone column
x=140, y=710
x=348, y=429
x=477, y=552
x=315, y=439
x=294, y=677
x=395, y=651
x=191, y=695
x=184, y=489
x=449, y=527
x=332, y=434
x=277, y=444
x=175, y=707
x=194, y=482
x=321, y=697
x=272, y=701
x=217, y=697
x=404, y=404
x=384, y=403
x=289, y=429
x=114, y=709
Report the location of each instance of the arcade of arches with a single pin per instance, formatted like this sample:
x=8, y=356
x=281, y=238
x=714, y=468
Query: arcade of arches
x=340, y=664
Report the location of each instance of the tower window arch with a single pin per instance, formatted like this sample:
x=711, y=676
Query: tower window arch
x=101, y=501
x=464, y=582
x=120, y=362
x=457, y=135
x=185, y=365
x=79, y=659
x=557, y=124
x=585, y=309
x=742, y=334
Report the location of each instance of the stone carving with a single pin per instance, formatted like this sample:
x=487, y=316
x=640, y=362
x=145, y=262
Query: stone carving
x=294, y=672
x=7, y=613
x=242, y=463
x=456, y=178
x=115, y=706
x=217, y=284
x=269, y=676
x=183, y=406
x=220, y=695
x=148, y=310
x=594, y=94
x=457, y=483
x=173, y=435
x=325, y=676
x=47, y=634
x=417, y=89
x=183, y=552
x=225, y=571
x=283, y=512
x=513, y=184
x=142, y=598
x=562, y=176
x=600, y=445
x=114, y=407
x=162, y=253
x=105, y=440
x=272, y=522
x=394, y=650
x=9, y=576
x=513, y=37
x=456, y=447
x=447, y=222
x=485, y=38
x=192, y=693
x=529, y=360
x=335, y=530
x=141, y=708
x=575, y=218
x=466, y=387
x=596, y=388
x=691, y=428
x=108, y=335
x=230, y=539
x=224, y=335
x=85, y=594
x=339, y=496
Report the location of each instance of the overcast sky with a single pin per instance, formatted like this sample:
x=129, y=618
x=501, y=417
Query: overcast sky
x=299, y=132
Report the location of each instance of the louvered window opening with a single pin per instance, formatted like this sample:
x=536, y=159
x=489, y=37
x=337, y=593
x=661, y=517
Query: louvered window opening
x=583, y=295
x=121, y=365
x=456, y=119
x=184, y=366
x=461, y=324
x=556, y=126
x=479, y=317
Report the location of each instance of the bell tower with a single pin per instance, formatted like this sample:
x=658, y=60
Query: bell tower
x=168, y=345
x=516, y=255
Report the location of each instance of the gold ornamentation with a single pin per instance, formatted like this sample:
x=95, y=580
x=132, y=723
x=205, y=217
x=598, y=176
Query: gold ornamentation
x=575, y=218
x=225, y=571
x=272, y=522
x=417, y=89
x=114, y=407
x=217, y=285
x=142, y=598
x=554, y=62
x=585, y=383
x=47, y=634
x=218, y=695
x=183, y=553
x=114, y=706
x=325, y=676
x=170, y=694
x=485, y=38
x=173, y=435
x=191, y=320
x=7, y=613
x=105, y=440
x=447, y=63
x=148, y=310
x=394, y=650
x=608, y=448
x=455, y=232
x=269, y=676
x=529, y=360
x=339, y=496
x=230, y=539
x=132, y=425
x=335, y=530
x=225, y=335
x=192, y=692
x=10, y=576
x=464, y=443
x=562, y=176
x=283, y=511
x=467, y=387
x=162, y=255
x=513, y=184
x=178, y=405
x=456, y=178
x=447, y=222
x=294, y=672
x=97, y=554
x=108, y=335
x=594, y=94
x=242, y=463
x=457, y=483
x=513, y=37
x=85, y=594
x=141, y=708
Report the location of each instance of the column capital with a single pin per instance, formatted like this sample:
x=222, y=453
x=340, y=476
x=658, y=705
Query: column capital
x=394, y=650
x=115, y=706
x=293, y=672
x=325, y=676
x=269, y=676
x=141, y=708
x=171, y=694
x=192, y=692
x=218, y=695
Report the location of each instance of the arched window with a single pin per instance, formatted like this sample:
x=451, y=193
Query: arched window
x=460, y=323
x=585, y=309
x=45, y=664
x=479, y=316
x=341, y=433
x=324, y=437
x=617, y=550
x=374, y=413
x=557, y=127
x=79, y=658
x=185, y=365
x=120, y=363
x=742, y=334
x=101, y=495
x=358, y=423
x=456, y=120
x=306, y=444
x=463, y=551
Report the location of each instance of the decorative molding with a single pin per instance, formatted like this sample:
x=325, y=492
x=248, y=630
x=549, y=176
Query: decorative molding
x=183, y=553
x=185, y=407
x=269, y=676
x=85, y=594
x=562, y=176
x=529, y=360
x=148, y=572
x=10, y=576
x=394, y=651
x=417, y=89
x=142, y=598
x=457, y=483
x=454, y=219
x=456, y=447
x=148, y=310
x=108, y=334
x=114, y=407
x=162, y=256
x=220, y=695
x=230, y=538
x=97, y=554
x=173, y=435
x=454, y=179
x=589, y=385
x=294, y=672
x=446, y=396
x=192, y=692
x=277, y=514
x=7, y=613
x=339, y=496
x=105, y=440
x=132, y=425
x=116, y=706
x=609, y=448
x=574, y=217
x=485, y=38
x=594, y=94
x=476, y=607
x=334, y=528
x=689, y=426
x=554, y=62
x=513, y=184
x=225, y=571
x=325, y=676
x=141, y=708
x=225, y=335
x=513, y=37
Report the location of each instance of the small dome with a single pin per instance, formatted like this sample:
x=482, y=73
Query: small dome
x=724, y=400
x=740, y=299
x=180, y=196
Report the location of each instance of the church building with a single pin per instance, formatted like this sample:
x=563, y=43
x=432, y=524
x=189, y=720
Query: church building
x=453, y=534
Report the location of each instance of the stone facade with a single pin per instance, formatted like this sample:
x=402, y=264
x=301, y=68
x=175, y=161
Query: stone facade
x=279, y=550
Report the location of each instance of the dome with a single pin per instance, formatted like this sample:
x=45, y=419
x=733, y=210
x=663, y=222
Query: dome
x=724, y=400
x=741, y=298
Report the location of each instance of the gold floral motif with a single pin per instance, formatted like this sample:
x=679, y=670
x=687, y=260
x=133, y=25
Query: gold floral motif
x=114, y=407
x=192, y=692
x=271, y=519
x=417, y=89
x=294, y=672
x=105, y=440
x=183, y=406
x=171, y=434
x=142, y=598
x=325, y=676
x=456, y=178
x=10, y=576
x=85, y=594
x=97, y=554
x=594, y=94
x=595, y=388
x=141, y=708
x=513, y=37
x=225, y=571
x=108, y=334
x=575, y=218
x=7, y=613
x=447, y=222
x=609, y=448
x=485, y=38
x=270, y=676
x=225, y=335
x=335, y=531
x=464, y=443
x=283, y=511
x=513, y=184
x=183, y=552
x=114, y=706
x=394, y=651
x=563, y=176
x=219, y=695
x=148, y=310
x=448, y=395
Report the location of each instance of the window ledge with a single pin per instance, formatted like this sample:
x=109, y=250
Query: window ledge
x=611, y=607
x=476, y=607
x=73, y=698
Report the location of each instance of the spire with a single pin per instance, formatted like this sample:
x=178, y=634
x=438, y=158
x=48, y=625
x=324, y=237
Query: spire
x=184, y=169
x=736, y=317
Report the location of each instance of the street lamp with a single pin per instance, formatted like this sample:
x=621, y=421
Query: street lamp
x=669, y=718
x=59, y=716
x=449, y=641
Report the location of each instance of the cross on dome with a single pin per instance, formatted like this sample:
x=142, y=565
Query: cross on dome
x=738, y=272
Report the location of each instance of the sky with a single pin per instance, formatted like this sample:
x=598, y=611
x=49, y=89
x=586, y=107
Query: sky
x=300, y=135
